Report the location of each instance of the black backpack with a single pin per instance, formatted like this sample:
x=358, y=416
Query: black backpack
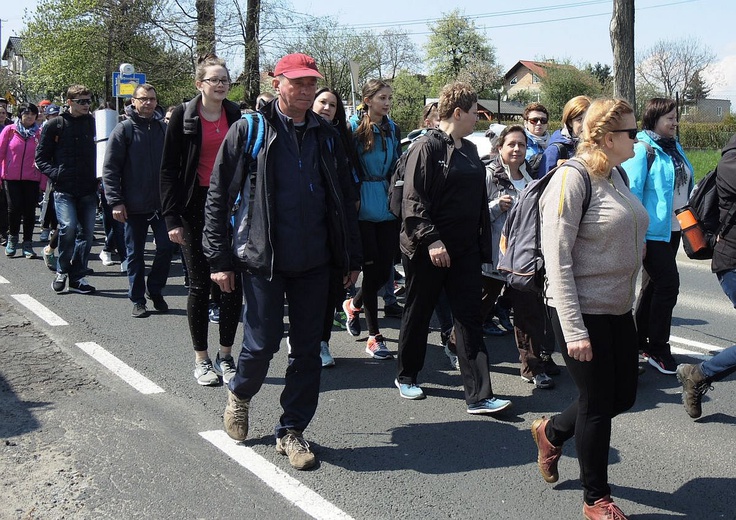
x=396, y=185
x=703, y=203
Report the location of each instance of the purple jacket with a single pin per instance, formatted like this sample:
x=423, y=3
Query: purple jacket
x=17, y=157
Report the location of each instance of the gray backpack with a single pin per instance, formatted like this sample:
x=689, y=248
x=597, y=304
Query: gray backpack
x=520, y=257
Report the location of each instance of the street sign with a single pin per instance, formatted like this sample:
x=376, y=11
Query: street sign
x=124, y=85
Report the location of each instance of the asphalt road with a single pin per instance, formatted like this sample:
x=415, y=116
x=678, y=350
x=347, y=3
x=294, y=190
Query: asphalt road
x=381, y=457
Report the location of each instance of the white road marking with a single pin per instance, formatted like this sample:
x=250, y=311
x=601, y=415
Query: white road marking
x=285, y=485
x=120, y=369
x=3, y=280
x=39, y=310
x=697, y=344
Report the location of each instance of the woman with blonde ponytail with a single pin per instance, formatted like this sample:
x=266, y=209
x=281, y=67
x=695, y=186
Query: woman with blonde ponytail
x=378, y=143
x=592, y=259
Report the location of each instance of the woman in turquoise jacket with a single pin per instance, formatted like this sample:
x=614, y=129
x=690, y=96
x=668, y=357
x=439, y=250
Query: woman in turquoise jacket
x=378, y=143
x=662, y=178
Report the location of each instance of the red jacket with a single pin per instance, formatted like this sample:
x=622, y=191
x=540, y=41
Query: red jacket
x=17, y=157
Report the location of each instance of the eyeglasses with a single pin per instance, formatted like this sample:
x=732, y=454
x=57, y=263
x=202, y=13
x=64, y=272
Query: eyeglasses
x=631, y=131
x=146, y=99
x=217, y=81
x=82, y=101
x=538, y=120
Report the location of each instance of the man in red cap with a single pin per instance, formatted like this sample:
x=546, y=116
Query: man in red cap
x=296, y=220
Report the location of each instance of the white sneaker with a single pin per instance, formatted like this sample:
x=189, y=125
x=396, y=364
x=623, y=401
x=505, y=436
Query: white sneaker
x=453, y=358
x=324, y=353
x=124, y=266
x=106, y=257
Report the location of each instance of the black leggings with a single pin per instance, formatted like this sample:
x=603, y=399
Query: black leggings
x=606, y=387
x=22, y=201
x=380, y=243
x=199, y=281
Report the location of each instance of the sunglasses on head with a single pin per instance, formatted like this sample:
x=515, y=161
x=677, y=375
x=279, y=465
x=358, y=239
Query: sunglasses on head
x=631, y=131
x=538, y=120
x=82, y=101
x=428, y=110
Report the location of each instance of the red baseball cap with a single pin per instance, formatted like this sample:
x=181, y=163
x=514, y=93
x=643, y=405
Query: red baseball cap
x=295, y=66
x=44, y=103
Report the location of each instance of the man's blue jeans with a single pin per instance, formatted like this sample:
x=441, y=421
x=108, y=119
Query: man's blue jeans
x=136, y=232
x=724, y=363
x=76, y=216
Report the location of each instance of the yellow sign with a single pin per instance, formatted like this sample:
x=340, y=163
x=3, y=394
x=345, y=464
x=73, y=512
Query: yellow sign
x=10, y=97
x=127, y=89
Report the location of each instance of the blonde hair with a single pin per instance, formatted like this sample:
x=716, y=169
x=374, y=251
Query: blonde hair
x=364, y=131
x=603, y=116
x=573, y=108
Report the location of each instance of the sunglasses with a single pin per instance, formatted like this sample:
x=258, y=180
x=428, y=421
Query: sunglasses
x=538, y=120
x=429, y=109
x=82, y=101
x=631, y=131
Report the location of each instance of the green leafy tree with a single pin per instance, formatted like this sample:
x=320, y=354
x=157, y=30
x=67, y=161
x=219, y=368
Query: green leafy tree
x=456, y=49
x=410, y=92
x=86, y=40
x=563, y=82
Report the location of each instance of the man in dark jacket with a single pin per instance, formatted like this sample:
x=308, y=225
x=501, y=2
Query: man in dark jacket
x=294, y=224
x=131, y=178
x=697, y=379
x=66, y=154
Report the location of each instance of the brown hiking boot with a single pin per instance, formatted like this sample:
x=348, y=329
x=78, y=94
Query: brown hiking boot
x=603, y=509
x=235, y=417
x=694, y=387
x=548, y=455
x=294, y=445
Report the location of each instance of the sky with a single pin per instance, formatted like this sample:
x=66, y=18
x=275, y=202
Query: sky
x=576, y=30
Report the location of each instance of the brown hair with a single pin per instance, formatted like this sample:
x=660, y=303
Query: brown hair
x=209, y=60
x=535, y=107
x=456, y=95
x=146, y=87
x=603, y=116
x=75, y=91
x=656, y=108
x=364, y=131
x=506, y=131
x=429, y=112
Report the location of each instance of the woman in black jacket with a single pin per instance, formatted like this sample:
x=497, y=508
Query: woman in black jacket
x=445, y=235
x=196, y=130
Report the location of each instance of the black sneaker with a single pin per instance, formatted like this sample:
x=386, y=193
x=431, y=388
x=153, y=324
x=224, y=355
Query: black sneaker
x=59, y=283
x=159, y=303
x=393, y=310
x=81, y=286
x=550, y=367
x=139, y=310
x=664, y=362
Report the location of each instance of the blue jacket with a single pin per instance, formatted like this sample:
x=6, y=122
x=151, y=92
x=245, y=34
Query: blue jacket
x=552, y=153
x=379, y=162
x=655, y=188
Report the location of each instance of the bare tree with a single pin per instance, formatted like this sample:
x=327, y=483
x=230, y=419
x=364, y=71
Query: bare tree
x=622, y=45
x=672, y=66
x=398, y=52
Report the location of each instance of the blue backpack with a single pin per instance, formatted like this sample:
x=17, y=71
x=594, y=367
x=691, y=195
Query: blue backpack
x=253, y=144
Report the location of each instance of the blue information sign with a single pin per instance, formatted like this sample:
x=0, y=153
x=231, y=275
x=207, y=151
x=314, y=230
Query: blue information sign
x=123, y=85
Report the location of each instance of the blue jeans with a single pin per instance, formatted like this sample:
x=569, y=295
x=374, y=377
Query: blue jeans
x=263, y=328
x=136, y=231
x=387, y=291
x=723, y=363
x=76, y=216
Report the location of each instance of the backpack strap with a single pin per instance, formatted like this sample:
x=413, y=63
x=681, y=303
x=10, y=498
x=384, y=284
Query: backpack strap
x=577, y=165
x=651, y=154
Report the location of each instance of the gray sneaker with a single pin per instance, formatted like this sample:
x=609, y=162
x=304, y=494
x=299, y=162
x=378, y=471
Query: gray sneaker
x=226, y=366
x=324, y=354
x=297, y=449
x=454, y=362
x=235, y=418
x=205, y=374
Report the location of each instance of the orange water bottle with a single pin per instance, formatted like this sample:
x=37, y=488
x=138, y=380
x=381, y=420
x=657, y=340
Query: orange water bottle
x=692, y=232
